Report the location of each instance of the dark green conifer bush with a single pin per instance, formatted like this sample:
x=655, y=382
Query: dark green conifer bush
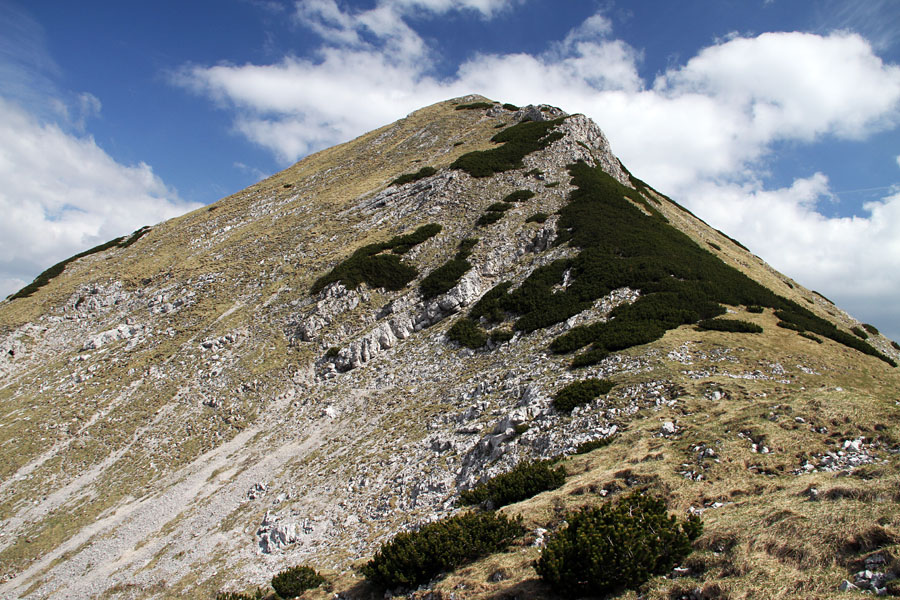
x=858, y=332
x=410, y=177
x=895, y=345
x=586, y=447
x=527, y=479
x=413, y=558
x=474, y=106
x=489, y=218
x=810, y=336
x=615, y=546
x=870, y=328
x=369, y=265
x=259, y=595
x=466, y=332
x=442, y=279
x=517, y=142
x=733, y=325
x=580, y=392
x=511, y=107
x=620, y=245
x=332, y=352
x=519, y=196
x=296, y=580
x=498, y=336
x=499, y=207
x=755, y=309
x=538, y=217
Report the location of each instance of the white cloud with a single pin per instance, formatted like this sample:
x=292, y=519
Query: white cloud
x=60, y=194
x=700, y=132
x=898, y=161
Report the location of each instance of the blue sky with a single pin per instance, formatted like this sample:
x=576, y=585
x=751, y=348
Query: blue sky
x=774, y=120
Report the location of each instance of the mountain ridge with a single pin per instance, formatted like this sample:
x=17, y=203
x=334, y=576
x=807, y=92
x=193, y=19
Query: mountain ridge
x=190, y=389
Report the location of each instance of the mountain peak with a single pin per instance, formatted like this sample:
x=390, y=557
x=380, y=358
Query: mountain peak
x=300, y=371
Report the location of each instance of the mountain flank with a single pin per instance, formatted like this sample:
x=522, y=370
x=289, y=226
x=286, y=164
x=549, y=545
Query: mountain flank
x=477, y=307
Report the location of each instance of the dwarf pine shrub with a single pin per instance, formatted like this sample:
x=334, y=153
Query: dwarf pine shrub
x=489, y=218
x=524, y=481
x=370, y=265
x=413, y=558
x=615, y=546
x=517, y=142
x=410, y=177
x=870, y=328
x=585, y=447
x=580, y=392
x=474, y=106
x=442, y=279
x=538, y=217
x=511, y=107
x=755, y=309
x=732, y=325
x=467, y=333
x=519, y=196
x=296, y=580
x=858, y=332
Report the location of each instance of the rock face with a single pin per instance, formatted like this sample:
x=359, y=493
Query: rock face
x=186, y=411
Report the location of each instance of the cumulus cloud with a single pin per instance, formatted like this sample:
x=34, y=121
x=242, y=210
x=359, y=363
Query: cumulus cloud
x=61, y=193
x=700, y=132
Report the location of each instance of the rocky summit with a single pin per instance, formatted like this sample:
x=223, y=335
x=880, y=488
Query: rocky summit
x=357, y=346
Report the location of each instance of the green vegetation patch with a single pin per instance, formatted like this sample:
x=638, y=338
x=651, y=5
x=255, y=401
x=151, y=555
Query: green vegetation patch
x=488, y=218
x=620, y=245
x=591, y=445
x=45, y=277
x=860, y=333
x=511, y=107
x=527, y=479
x=870, y=328
x=413, y=558
x=442, y=279
x=370, y=265
x=467, y=333
x=580, y=392
x=615, y=547
x=296, y=580
x=732, y=325
x=498, y=336
x=810, y=336
x=474, y=106
x=410, y=177
x=517, y=142
x=538, y=217
x=519, y=196
x=499, y=207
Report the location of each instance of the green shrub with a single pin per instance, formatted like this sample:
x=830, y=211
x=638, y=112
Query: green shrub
x=465, y=248
x=517, y=142
x=498, y=336
x=895, y=345
x=810, y=336
x=499, y=207
x=527, y=479
x=466, y=332
x=586, y=447
x=538, y=217
x=580, y=392
x=715, y=246
x=870, y=328
x=54, y=271
x=413, y=558
x=552, y=184
x=519, y=196
x=511, y=107
x=442, y=279
x=732, y=325
x=858, y=332
x=258, y=595
x=296, y=580
x=615, y=546
x=755, y=309
x=369, y=265
x=332, y=352
x=489, y=218
x=474, y=106
x=410, y=177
